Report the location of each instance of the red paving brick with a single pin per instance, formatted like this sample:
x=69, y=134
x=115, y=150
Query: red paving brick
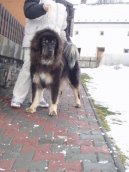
x=6, y=164
x=55, y=165
x=93, y=149
x=70, y=142
x=39, y=155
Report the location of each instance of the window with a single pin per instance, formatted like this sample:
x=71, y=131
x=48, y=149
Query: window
x=79, y=50
x=126, y=50
x=101, y=49
x=101, y=33
x=76, y=32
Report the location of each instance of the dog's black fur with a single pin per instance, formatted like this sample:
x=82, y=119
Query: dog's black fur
x=51, y=61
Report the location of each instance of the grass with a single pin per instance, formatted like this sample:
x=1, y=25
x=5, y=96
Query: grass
x=102, y=113
x=121, y=156
x=101, y=116
x=85, y=78
x=119, y=153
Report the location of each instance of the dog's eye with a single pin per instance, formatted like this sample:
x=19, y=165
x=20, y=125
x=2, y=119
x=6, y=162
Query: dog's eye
x=45, y=42
x=53, y=42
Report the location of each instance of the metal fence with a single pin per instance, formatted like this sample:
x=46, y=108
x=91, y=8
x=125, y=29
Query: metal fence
x=9, y=26
x=88, y=62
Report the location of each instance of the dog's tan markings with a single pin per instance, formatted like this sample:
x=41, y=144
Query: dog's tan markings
x=59, y=95
x=53, y=107
x=47, y=62
x=46, y=77
x=77, y=98
x=53, y=110
x=35, y=102
x=36, y=78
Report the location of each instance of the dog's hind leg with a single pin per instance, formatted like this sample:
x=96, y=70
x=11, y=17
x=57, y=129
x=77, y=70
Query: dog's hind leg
x=74, y=77
x=35, y=102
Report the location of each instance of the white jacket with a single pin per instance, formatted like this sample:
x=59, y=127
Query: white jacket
x=54, y=19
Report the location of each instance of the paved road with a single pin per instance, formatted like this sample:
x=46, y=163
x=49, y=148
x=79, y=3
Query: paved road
x=71, y=142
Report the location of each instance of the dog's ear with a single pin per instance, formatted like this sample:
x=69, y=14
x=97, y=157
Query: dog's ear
x=35, y=44
x=36, y=41
x=36, y=48
x=59, y=46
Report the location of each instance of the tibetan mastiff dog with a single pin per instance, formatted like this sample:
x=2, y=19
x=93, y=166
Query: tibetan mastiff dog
x=52, y=60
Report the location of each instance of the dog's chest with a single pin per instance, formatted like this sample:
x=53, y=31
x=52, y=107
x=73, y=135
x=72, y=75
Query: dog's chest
x=46, y=78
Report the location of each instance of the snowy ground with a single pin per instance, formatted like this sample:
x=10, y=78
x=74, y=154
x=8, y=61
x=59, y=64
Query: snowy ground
x=109, y=87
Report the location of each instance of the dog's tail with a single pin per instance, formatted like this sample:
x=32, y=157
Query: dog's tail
x=70, y=53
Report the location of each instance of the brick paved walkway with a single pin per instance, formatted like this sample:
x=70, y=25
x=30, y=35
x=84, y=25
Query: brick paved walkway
x=71, y=142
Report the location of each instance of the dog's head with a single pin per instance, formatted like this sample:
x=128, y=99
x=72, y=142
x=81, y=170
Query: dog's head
x=47, y=45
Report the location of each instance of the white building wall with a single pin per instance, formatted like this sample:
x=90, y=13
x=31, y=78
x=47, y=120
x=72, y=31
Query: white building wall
x=113, y=20
x=114, y=40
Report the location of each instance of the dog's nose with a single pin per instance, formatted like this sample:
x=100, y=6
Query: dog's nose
x=50, y=50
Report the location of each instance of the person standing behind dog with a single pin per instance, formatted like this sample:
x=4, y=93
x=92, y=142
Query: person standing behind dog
x=40, y=14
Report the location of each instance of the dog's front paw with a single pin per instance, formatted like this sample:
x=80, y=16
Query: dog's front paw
x=53, y=113
x=30, y=110
x=53, y=110
x=78, y=105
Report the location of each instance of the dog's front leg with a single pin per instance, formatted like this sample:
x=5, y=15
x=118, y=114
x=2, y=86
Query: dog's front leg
x=77, y=97
x=54, y=100
x=35, y=102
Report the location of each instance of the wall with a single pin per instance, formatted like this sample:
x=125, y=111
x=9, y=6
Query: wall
x=10, y=61
x=10, y=49
x=11, y=34
x=114, y=40
x=15, y=7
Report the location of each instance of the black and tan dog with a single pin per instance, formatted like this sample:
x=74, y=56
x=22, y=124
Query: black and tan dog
x=51, y=62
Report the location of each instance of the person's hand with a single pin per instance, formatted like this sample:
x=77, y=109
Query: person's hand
x=46, y=7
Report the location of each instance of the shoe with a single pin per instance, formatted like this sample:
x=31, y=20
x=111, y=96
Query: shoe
x=15, y=104
x=43, y=104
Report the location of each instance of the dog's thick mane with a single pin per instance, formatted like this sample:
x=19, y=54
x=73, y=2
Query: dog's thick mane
x=36, y=46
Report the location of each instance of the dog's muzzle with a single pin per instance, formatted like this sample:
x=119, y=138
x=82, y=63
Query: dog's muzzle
x=50, y=53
